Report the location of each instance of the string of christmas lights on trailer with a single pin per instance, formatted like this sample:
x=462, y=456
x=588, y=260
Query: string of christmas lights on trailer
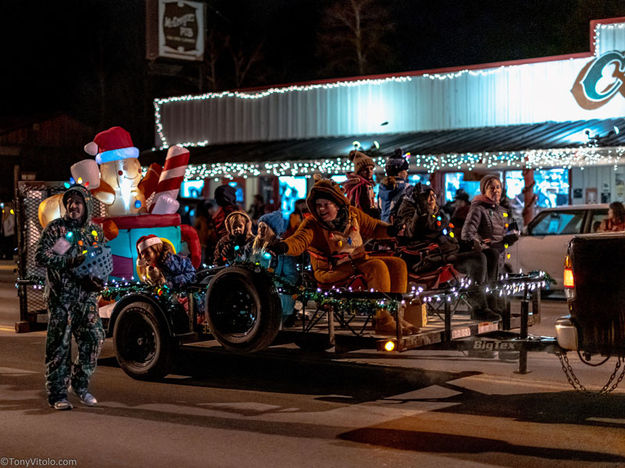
x=507, y=285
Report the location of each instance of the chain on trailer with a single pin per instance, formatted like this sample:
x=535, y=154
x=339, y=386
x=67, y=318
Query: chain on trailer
x=29, y=194
x=608, y=387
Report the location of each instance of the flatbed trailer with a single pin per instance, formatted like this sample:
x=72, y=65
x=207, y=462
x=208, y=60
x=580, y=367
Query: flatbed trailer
x=241, y=310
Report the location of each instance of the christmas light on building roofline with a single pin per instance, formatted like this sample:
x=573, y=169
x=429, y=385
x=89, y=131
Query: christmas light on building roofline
x=260, y=94
x=159, y=102
x=528, y=159
x=597, y=33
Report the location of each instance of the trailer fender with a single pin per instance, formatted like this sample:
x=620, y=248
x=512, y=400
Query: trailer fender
x=138, y=297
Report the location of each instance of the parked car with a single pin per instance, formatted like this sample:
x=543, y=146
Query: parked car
x=544, y=240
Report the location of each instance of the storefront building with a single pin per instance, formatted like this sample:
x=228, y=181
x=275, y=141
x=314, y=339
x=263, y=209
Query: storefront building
x=561, y=117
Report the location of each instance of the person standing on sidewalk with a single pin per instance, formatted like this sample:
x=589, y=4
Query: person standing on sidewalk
x=71, y=300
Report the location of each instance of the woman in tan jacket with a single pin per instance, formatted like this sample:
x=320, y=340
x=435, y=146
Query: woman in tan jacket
x=335, y=235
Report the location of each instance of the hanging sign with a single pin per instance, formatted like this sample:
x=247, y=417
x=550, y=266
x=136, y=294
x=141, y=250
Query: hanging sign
x=181, y=29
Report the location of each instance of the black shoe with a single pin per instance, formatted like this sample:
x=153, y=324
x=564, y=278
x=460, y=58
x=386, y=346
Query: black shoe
x=485, y=315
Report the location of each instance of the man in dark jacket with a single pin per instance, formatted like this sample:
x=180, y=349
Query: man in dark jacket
x=72, y=305
x=425, y=224
x=226, y=198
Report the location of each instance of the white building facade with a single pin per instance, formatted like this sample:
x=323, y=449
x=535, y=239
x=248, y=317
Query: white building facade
x=580, y=88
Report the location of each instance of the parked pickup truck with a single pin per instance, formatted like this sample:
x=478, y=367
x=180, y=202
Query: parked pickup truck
x=594, y=280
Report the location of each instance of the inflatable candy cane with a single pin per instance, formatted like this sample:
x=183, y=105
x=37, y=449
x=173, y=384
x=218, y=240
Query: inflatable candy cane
x=169, y=182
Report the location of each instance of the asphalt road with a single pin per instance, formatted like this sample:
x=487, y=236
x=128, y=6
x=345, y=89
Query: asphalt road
x=288, y=408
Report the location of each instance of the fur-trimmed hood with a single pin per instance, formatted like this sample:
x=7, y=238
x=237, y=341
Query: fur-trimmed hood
x=248, y=222
x=328, y=189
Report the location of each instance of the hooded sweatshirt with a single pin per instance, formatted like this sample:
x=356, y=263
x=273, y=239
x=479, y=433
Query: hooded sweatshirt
x=231, y=246
x=62, y=240
x=282, y=265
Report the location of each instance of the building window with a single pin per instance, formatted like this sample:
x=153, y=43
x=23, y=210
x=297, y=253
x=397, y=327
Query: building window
x=551, y=186
x=291, y=189
x=414, y=179
x=456, y=180
x=191, y=189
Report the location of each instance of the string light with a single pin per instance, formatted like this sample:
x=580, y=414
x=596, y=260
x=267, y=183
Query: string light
x=245, y=95
x=597, y=34
x=527, y=159
x=255, y=95
x=303, y=88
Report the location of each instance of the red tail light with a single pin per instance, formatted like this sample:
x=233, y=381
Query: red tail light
x=569, y=281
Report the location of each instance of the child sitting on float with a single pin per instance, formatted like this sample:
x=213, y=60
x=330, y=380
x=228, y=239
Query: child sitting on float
x=158, y=265
x=335, y=237
x=231, y=246
x=271, y=227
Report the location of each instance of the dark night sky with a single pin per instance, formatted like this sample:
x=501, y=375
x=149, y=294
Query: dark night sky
x=86, y=57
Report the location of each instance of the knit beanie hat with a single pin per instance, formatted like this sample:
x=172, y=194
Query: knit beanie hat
x=275, y=221
x=225, y=195
x=486, y=181
x=396, y=163
x=147, y=241
x=328, y=189
x=461, y=194
x=360, y=160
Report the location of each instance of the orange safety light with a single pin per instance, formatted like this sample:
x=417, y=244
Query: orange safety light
x=569, y=280
x=389, y=345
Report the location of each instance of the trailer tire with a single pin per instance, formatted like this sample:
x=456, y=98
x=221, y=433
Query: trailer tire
x=143, y=346
x=244, y=311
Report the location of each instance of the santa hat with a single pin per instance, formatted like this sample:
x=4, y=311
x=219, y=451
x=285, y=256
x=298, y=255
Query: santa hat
x=147, y=241
x=112, y=145
x=360, y=160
